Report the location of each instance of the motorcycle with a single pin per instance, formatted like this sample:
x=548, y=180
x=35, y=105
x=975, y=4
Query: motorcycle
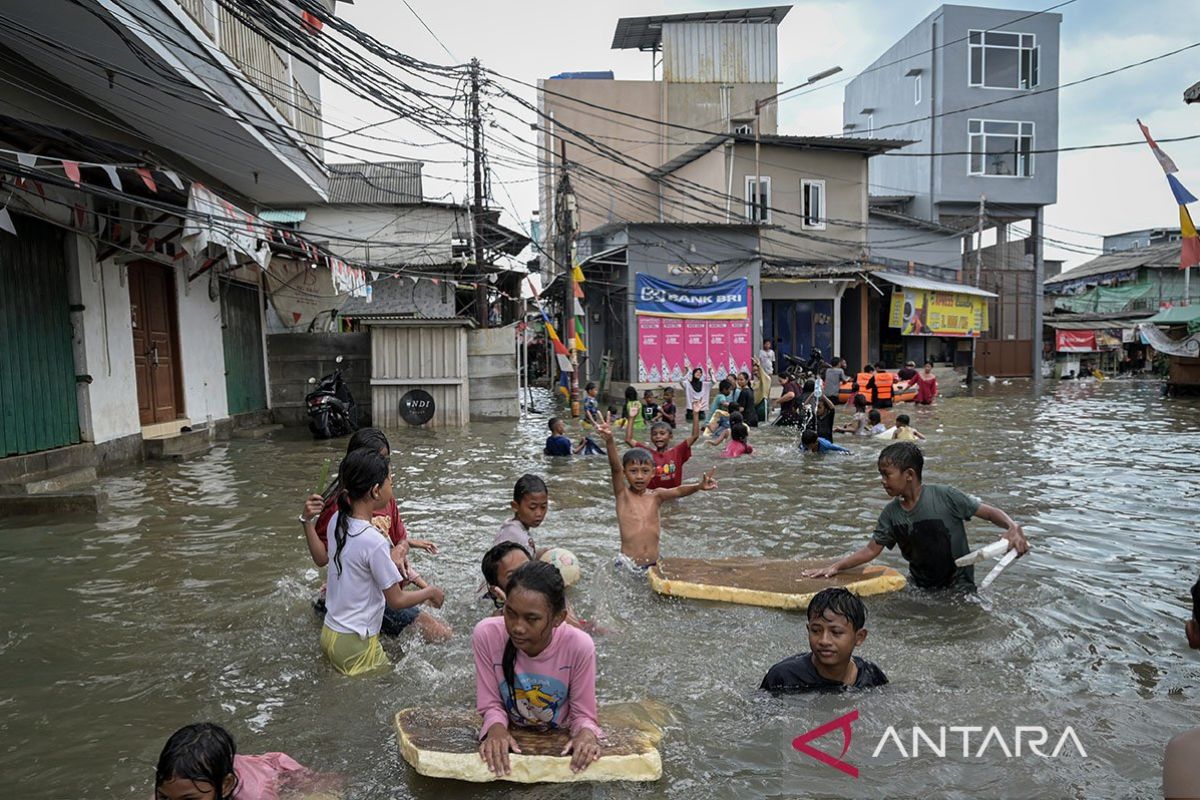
x=332, y=411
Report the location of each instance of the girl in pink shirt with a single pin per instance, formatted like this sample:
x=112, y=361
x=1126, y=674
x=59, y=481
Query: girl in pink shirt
x=739, y=442
x=534, y=672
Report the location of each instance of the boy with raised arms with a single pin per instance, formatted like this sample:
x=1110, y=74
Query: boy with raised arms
x=638, y=504
x=926, y=521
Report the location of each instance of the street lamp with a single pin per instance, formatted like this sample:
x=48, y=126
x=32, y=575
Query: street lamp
x=758, y=107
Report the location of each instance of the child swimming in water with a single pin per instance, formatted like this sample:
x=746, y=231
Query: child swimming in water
x=530, y=503
x=859, y=426
x=926, y=520
x=501, y=562
x=812, y=443
x=201, y=762
x=557, y=444
x=532, y=671
x=876, y=421
x=364, y=578
x=739, y=441
x=836, y=620
x=637, y=504
x=903, y=432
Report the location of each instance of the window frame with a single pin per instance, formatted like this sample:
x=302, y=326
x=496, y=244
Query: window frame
x=870, y=125
x=1034, y=51
x=752, y=199
x=819, y=225
x=735, y=124
x=983, y=135
x=917, y=89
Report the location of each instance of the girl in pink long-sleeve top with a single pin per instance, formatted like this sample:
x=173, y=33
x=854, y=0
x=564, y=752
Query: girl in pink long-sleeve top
x=534, y=672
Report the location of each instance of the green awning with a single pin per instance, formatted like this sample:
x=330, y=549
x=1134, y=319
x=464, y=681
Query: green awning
x=1105, y=299
x=1176, y=315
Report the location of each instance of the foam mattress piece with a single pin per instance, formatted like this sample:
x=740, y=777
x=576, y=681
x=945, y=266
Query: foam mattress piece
x=441, y=744
x=774, y=583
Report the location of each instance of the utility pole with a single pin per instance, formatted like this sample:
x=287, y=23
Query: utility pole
x=564, y=216
x=481, y=303
x=978, y=270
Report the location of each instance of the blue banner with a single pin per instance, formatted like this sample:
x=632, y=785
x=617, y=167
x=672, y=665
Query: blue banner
x=724, y=300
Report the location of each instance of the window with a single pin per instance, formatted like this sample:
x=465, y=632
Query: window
x=1002, y=60
x=916, y=90
x=1001, y=147
x=758, y=199
x=812, y=204
x=870, y=124
x=742, y=127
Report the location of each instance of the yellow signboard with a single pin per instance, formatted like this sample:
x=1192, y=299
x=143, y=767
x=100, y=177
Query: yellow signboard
x=920, y=312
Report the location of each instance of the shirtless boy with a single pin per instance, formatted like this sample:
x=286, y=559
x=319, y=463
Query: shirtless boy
x=637, y=505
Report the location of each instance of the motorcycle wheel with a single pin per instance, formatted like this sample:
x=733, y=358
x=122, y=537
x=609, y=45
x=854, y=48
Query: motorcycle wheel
x=319, y=425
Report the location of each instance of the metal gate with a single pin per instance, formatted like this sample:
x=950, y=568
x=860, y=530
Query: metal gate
x=1011, y=358
x=241, y=334
x=38, y=405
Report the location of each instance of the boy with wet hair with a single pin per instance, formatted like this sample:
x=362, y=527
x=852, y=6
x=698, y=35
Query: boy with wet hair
x=876, y=421
x=905, y=432
x=638, y=504
x=557, y=444
x=836, y=625
x=819, y=444
x=668, y=460
x=926, y=521
x=1181, y=763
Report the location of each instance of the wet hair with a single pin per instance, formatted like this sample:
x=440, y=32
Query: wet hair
x=903, y=456
x=725, y=387
x=808, y=437
x=868, y=368
x=528, y=484
x=860, y=402
x=809, y=386
x=201, y=752
x=551, y=423
x=360, y=472
x=736, y=418
x=492, y=558
x=874, y=417
x=545, y=579
x=739, y=432
x=902, y=419
x=589, y=386
x=630, y=393
x=839, y=601
x=660, y=425
x=636, y=455
x=368, y=437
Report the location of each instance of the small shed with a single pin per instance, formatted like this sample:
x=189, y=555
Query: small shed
x=409, y=353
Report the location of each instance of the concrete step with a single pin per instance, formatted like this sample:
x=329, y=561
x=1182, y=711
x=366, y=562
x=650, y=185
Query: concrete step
x=256, y=432
x=85, y=501
x=180, y=447
x=61, y=480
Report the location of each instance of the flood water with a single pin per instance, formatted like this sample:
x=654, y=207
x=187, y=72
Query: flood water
x=188, y=598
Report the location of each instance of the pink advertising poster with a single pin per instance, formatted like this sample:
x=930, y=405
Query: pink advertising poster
x=649, y=349
x=739, y=345
x=718, y=347
x=672, y=367
x=695, y=345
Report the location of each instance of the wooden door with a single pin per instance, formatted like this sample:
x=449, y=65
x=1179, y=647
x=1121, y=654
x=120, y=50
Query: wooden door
x=1004, y=358
x=155, y=359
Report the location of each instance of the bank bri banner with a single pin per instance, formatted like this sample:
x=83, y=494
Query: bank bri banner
x=659, y=298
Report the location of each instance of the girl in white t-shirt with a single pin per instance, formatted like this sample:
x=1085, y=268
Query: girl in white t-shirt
x=363, y=576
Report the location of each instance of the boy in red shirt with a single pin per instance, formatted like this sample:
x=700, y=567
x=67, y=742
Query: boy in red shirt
x=668, y=461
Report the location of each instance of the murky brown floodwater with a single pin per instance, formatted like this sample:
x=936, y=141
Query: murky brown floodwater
x=188, y=598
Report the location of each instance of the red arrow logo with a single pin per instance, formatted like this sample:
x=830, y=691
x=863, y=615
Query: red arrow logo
x=842, y=723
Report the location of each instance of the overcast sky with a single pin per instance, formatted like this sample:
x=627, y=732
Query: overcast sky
x=1099, y=191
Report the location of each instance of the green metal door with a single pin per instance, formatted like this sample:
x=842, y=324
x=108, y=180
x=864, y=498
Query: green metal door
x=245, y=381
x=38, y=408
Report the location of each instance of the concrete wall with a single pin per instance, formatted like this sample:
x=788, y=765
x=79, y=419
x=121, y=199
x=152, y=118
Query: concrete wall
x=416, y=235
x=492, y=372
x=293, y=358
x=892, y=239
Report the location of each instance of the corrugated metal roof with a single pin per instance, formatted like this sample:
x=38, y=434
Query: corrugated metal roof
x=645, y=33
x=917, y=282
x=386, y=182
x=1159, y=256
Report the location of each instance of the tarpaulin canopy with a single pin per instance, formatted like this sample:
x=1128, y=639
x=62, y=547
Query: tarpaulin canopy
x=1105, y=299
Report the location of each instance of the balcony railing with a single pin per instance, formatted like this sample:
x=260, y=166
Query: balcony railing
x=200, y=11
x=259, y=60
x=308, y=120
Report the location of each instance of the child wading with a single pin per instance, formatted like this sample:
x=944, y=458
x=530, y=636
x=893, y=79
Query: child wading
x=926, y=521
x=533, y=671
x=836, y=625
x=364, y=578
x=668, y=461
x=638, y=504
x=530, y=503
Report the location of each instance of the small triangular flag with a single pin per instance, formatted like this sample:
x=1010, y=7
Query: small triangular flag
x=72, y=170
x=147, y=179
x=173, y=178
x=27, y=159
x=577, y=274
x=578, y=290
x=111, y=172
x=6, y=223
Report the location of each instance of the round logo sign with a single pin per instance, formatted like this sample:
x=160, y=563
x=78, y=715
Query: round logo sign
x=416, y=407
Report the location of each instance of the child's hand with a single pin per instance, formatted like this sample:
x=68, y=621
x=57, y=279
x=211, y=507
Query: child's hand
x=585, y=749
x=821, y=572
x=400, y=556
x=495, y=746
x=605, y=430
x=708, y=483
x=436, y=596
x=424, y=544
x=313, y=506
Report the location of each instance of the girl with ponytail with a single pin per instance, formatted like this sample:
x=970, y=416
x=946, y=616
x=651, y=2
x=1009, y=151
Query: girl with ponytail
x=532, y=671
x=363, y=576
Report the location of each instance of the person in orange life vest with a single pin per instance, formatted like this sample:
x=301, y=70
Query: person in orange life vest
x=668, y=461
x=881, y=384
x=863, y=379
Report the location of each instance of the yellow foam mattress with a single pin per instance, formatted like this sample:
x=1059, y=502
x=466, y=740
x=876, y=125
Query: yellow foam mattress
x=775, y=583
x=441, y=744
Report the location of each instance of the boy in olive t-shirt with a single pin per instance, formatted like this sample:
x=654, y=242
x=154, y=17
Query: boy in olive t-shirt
x=926, y=521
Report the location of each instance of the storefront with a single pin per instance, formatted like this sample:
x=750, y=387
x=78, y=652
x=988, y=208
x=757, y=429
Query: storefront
x=680, y=327
x=928, y=320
